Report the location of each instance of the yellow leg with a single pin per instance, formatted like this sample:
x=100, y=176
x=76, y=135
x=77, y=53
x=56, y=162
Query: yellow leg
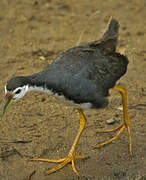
x=125, y=124
x=71, y=155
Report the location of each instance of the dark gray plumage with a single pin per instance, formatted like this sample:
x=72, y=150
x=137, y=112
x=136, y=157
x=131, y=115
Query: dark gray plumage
x=84, y=73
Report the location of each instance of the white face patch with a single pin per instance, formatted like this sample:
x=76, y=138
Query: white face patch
x=18, y=92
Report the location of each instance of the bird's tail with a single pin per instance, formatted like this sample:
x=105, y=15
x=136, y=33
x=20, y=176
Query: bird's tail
x=110, y=37
x=112, y=30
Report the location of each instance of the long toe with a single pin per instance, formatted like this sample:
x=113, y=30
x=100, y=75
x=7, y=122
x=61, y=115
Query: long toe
x=64, y=161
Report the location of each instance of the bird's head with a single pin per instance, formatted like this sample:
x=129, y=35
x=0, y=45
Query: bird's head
x=15, y=89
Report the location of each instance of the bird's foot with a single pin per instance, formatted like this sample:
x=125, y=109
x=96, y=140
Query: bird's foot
x=71, y=155
x=121, y=128
x=64, y=161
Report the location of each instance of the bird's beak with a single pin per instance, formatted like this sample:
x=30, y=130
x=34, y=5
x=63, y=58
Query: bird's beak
x=9, y=101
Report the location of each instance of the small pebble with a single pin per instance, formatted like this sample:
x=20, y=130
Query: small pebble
x=111, y=121
x=42, y=58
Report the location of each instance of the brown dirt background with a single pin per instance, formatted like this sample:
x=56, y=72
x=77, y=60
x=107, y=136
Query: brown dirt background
x=32, y=34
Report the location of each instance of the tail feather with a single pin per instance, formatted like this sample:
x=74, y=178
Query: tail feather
x=108, y=42
x=110, y=37
x=112, y=31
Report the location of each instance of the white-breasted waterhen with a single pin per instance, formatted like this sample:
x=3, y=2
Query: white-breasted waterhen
x=82, y=76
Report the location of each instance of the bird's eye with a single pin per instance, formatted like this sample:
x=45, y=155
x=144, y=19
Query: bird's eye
x=18, y=91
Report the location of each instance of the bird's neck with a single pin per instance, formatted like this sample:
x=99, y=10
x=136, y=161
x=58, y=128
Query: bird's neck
x=36, y=83
x=40, y=88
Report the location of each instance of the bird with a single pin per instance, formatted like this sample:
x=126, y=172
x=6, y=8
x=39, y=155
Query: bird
x=81, y=76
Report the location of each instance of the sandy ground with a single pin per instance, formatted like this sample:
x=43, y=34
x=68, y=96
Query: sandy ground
x=32, y=34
